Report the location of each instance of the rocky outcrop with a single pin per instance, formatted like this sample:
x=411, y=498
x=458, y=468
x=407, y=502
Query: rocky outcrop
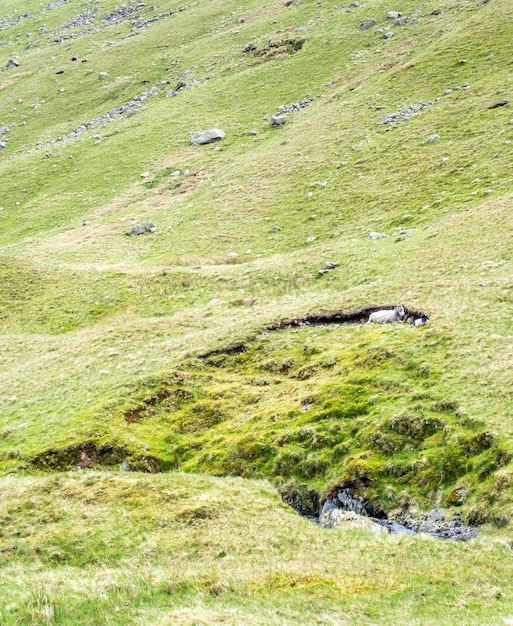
x=343, y=510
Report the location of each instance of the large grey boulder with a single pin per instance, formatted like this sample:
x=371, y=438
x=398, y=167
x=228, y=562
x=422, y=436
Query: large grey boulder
x=207, y=136
x=337, y=518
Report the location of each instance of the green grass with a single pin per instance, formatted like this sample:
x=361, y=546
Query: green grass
x=102, y=333
x=106, y=549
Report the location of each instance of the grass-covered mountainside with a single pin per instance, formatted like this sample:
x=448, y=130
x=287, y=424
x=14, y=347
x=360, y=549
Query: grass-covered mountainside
x=167, y=349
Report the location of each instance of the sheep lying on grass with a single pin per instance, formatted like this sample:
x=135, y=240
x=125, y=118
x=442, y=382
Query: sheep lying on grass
x=396, y=315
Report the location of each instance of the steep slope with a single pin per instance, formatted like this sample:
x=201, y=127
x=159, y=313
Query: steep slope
x=157, y=349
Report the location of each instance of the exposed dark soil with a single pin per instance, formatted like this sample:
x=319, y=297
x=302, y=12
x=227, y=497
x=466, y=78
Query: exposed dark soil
x=93, y=455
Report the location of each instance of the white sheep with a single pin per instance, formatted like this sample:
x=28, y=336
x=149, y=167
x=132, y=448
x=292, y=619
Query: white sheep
x=388, y=316
x=278, y=120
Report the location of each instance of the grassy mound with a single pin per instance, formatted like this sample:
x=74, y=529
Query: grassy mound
x=88, y=548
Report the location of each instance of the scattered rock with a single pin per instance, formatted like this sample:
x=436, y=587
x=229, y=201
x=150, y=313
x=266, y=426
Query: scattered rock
x=388, y=35
x=145, y=175
x=140, y=229
x=328, y=267
x=436, y=524
x=375, y=235
x=275, y=229
x=393, y=15
x=207, y=136
x=124, y=467
x=86, y=223
x=12, y=64
x=401, y=21
x=181, y=84
x=295, y=106
x=447, y=92
x=344, y=509
x=249, y=47
x=311, y=239
x=103, y=75
x=367, y=24
x=3, y=144
x=433, y=138
x=404, y=114
x=132, y=106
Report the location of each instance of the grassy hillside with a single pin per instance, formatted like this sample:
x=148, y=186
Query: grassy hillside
x=154, y=349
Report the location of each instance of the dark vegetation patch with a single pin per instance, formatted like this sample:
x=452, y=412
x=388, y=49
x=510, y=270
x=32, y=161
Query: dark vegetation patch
x=503, y=103
x=279, y=49
x=93, y=455
x=325, y=408
x=196, y=515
